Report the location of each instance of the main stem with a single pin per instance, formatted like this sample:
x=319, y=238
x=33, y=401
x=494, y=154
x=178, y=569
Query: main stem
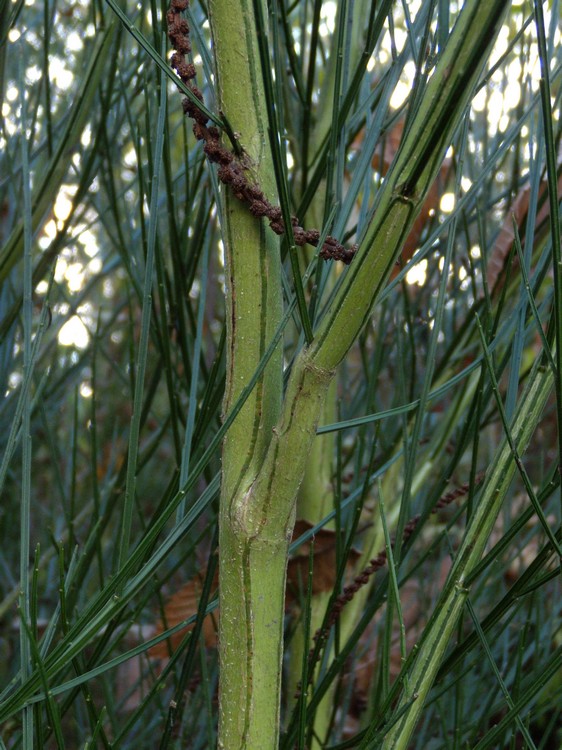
x=252, y=568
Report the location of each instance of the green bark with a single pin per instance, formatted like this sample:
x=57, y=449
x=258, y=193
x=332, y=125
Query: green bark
x=251, y=607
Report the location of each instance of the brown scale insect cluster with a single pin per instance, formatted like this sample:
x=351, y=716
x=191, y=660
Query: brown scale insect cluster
x=230, y=170
x=375, y=564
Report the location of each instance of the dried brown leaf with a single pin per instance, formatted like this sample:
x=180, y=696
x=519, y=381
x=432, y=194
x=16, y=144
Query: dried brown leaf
x=518, y=211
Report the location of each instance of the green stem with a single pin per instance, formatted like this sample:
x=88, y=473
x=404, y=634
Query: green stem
x=453, y=598
x=251, y=604
x=256, y=525
x=251, y=640
x=415, y=167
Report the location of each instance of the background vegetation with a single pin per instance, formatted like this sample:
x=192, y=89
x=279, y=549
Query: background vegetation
x=112, y=368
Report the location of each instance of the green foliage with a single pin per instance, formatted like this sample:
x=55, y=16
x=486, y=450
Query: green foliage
x=113, y=366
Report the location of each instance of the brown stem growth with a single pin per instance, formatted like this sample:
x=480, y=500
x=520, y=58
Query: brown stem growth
x=231, y=171
x=375, y=564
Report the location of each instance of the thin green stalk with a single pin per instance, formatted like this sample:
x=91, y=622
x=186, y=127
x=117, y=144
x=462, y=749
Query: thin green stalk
x=25, y=511
x=316, y=495
x=192, y=408
x=57, y=167
x=279, y=163
x=544, y=675
x=508, y=699
x=177, y=705
x=15, y=427
x=431, y=353
x=453, y=597
x=159, y=60
x=142, y=354
x=447, y=93
x=552, y=178
x=394, y=598
x=520, y=467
